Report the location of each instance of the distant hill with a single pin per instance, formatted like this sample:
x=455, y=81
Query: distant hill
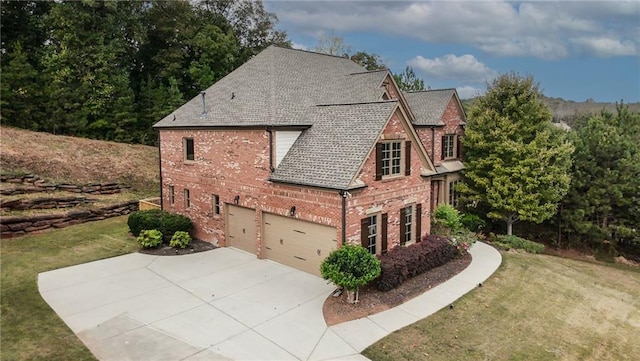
x=569, y=110
x=64, y=159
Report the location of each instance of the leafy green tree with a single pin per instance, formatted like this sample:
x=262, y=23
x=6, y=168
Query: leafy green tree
x=408, y=80
x=350, y=267
x=517, y=163
x=21, y=93
x=369, y=61
x=603, y=203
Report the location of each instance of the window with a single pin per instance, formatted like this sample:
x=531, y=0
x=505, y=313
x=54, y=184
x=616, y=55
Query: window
x=389, y=159
x=172, y=194
x=407, y=220
x=448, y=146
x=216, y=204
x=453, y=194
x=374, y=233
x=189, y=153
x=187, y=199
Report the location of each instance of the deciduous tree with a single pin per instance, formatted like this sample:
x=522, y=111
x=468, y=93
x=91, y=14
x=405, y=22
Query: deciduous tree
x=516, y=161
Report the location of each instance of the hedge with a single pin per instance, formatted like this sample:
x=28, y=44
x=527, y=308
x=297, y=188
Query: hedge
x=165, y=222
x=402, y=263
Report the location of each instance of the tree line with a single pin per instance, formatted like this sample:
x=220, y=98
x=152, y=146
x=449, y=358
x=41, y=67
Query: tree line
x=110, y=69
x=584, y=183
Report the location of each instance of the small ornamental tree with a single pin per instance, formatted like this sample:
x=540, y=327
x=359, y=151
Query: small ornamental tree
x=448, y=219
x=350, y=267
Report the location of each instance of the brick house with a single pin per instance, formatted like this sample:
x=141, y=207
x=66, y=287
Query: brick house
x=294, y=152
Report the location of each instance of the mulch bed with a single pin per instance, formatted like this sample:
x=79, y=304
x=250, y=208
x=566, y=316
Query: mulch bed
x=164, y=249
x=336, y=309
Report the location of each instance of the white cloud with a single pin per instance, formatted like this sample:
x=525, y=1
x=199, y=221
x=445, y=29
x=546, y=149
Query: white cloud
x=465, y=68
x=468, y=92
x=539, y=29
x=605, y=47
x=299, y=46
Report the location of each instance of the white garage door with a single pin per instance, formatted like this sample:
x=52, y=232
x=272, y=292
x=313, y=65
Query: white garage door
x=241, y=228
x=299, y=244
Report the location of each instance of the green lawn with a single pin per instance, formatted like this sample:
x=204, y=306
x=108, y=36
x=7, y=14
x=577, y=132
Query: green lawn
x=30, y=329
x=534, y=307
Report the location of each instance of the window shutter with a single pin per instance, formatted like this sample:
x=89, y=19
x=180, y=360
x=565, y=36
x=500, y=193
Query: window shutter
x=364, y=229
x=418, y=222
x=459, y=147
x=383, y=232
x=378, y=161
x=407, y=158
x=442, y=147
x=403, y=226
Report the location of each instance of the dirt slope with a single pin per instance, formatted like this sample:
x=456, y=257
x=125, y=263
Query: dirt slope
x=63, y=159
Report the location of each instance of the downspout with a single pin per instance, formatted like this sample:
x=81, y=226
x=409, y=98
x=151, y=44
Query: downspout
x=160, y=165
x=343, y=194
x=271, y=168
x=433, y=144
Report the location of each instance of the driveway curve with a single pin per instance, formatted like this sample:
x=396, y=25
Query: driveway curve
x=225, y=304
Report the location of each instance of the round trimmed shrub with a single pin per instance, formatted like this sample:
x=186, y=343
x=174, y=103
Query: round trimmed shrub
x=180, y=239
x=150, y=238
x=350, y=267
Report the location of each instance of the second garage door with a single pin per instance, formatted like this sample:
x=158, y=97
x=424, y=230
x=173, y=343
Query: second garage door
x=241, y=228
x=299, y=244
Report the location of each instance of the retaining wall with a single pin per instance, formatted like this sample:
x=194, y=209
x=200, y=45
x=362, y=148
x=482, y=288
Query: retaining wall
x=34, y=184
x=22, y=225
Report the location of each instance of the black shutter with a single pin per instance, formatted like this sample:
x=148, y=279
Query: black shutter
x=364, y=229
x=378, y=161
x=403, y=226
x=407, y=158
x=418, y=222
x=442, y=148
x=383, y=232
x=459, y=145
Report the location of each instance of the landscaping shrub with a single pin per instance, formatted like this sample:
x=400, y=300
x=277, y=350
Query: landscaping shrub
x=472, y=222
x=447, y=219
x=403, y=263
x=180, y=239
x=150, y=238
x=165, y=222
x=508, y=242
x=350, y=267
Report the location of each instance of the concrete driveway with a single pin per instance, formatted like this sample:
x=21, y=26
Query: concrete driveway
x=225, y=304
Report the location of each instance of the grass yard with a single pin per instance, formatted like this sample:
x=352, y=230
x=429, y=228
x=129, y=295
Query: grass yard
x=534, y=307
x=30, y=328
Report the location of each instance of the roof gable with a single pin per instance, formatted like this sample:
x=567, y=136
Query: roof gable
x=428, y=106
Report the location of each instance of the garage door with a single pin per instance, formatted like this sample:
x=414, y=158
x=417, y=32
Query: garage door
x=299, y=244
x=241, y=228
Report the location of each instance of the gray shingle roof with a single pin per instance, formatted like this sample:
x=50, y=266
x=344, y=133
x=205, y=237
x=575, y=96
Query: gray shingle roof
x=338, y=100
x=330, y=152
x=279, y=87
x=429, y=105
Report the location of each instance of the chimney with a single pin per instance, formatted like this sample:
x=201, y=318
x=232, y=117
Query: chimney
x=204, y=104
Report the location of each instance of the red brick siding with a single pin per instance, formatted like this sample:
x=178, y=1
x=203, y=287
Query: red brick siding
x=230, y=163
x=452, y=117
x=388, y=194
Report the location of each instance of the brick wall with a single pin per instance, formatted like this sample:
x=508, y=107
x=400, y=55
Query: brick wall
x=451, y=117
x=231, y=163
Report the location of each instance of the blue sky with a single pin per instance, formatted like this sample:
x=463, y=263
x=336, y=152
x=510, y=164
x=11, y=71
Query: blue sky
x=575, y=50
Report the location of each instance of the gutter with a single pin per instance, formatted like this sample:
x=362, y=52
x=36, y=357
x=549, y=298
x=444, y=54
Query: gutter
x=343, y=195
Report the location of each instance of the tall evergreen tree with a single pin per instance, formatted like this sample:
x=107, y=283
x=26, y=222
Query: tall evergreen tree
x=603, y=203
x=516, y=161
x=408, y=80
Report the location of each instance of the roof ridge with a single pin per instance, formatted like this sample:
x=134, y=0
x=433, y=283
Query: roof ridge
x=370, y=71
x=359, y=103
x=428, y=90
x=313, y=52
